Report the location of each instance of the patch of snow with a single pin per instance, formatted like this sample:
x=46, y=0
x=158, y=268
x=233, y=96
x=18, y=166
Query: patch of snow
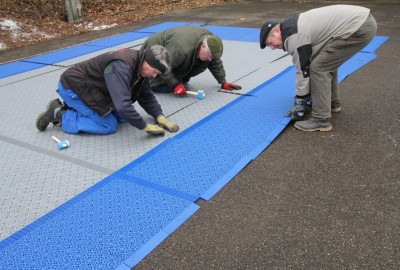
x=37, y=32
x=14, y=27
x=9, y=25
x=90, y=26
x=17, y=34
x=2, y=46
x=101, y=27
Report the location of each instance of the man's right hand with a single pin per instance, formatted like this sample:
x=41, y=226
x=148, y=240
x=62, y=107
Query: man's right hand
x=154, y=130
x=180, y=90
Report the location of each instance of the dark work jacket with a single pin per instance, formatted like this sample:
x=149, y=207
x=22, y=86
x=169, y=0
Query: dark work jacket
x=87, y=79
x=183, y=44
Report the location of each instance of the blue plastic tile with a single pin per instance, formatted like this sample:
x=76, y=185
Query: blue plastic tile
x=157, y=187
x=235, y=33
x=197, y=160
x=62, y=55
x=113, y=224
x=149, y=246
x=163, y=26
x=356, y=62
x=375, y=44
x=117, y=39
x=14, y=68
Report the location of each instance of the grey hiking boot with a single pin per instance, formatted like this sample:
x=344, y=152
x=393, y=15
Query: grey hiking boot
x=314, y=124
x=335, y=106
x=52, y=114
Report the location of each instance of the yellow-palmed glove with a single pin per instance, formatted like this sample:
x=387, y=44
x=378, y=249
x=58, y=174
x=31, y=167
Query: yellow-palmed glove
x=154, y=130
x=168, y=125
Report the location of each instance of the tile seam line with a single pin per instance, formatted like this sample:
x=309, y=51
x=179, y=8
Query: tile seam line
x=75, y=161
x=27, y=78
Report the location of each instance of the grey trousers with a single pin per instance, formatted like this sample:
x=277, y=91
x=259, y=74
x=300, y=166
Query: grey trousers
x=324, y=67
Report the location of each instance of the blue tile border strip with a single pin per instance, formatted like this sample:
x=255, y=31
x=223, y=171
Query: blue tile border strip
x=154, y=186
x=356, y=62
x=37, y=223
x=235, y=33
x=115, y=222
x=117, y=40
x=161, y=236
x=375, y=44
x=14, y=68
x=163, y=26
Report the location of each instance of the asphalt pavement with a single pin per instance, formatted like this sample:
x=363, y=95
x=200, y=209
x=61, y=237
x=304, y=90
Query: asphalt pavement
x=311, y=200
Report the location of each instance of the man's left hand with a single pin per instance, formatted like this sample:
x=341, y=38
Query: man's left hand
x=230, y=86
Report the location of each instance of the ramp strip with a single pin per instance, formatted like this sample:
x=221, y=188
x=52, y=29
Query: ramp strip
x=113, y=224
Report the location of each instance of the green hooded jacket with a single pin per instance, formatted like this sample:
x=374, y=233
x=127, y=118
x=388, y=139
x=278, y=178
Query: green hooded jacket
x=183, y=44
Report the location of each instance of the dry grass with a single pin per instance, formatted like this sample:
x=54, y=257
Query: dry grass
x=41, y=20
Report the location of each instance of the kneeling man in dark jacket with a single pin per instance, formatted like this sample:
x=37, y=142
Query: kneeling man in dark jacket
x=99, y=93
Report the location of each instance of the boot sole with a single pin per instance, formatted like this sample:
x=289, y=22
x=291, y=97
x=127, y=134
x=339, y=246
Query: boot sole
x=314, y=129
x=336, y=110
x=38, y=126
x=42, y=116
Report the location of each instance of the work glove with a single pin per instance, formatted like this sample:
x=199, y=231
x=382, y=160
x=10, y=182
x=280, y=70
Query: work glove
x=298, y=109
x=180, y=90
x=230, y=86
x=168, y=125
x=154, y=130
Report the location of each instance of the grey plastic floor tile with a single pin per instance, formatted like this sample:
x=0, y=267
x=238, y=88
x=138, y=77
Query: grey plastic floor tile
x=134, y=44
x=243, y=58
x=28, y=75
x=265, y=73
x=199, y=109
x=21, y=103
x=33, y=183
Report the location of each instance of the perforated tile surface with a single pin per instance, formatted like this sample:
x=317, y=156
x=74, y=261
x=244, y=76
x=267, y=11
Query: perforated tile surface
x=49, y=177
x=40, y=70
x=101, y=230
x=357, y=61
x=33, y=183
x=14, y=68
x=249, y=120
x=117, y=40
x=164, y=26
x=236, y=33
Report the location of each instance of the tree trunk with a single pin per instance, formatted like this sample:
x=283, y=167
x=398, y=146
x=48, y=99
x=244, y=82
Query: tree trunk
x=73, y=9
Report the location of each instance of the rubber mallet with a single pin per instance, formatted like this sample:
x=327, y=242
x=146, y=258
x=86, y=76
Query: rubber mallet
x=199, y=94
x=61, y=144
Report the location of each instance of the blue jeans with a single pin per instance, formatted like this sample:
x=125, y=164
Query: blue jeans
x=81, y=118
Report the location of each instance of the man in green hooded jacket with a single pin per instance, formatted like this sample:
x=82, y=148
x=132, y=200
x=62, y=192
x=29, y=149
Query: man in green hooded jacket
x=192, y=50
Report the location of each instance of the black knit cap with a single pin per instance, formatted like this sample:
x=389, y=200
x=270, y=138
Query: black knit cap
x=153, y=62
x=266, y=28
